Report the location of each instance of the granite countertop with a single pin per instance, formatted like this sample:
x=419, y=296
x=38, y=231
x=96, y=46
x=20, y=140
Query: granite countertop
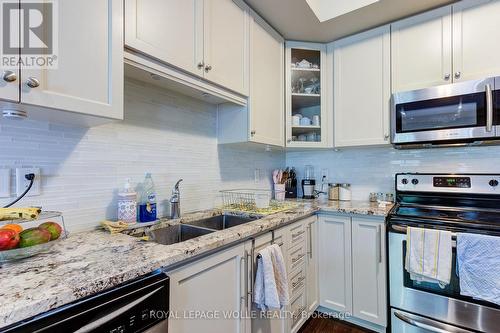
x=90, y=262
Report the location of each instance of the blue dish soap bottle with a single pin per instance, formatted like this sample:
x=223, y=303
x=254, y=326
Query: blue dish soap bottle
x=147, y=205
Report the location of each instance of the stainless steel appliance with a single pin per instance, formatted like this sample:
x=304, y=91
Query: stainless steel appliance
x=457, y=202
x=453, y=114
x=138, y=306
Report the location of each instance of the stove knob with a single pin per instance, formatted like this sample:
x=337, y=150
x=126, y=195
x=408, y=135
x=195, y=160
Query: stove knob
x=404, y=181
x=414, y=181
x=493, y=183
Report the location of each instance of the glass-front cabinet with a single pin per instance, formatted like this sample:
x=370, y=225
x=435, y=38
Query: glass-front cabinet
x=306, y=112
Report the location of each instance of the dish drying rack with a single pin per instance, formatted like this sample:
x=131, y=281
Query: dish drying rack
x=256, y=201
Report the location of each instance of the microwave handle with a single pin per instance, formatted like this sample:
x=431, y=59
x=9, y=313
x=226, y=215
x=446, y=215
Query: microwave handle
x=489, y=108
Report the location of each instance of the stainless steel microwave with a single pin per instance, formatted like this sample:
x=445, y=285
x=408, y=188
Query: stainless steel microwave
x=453, y=114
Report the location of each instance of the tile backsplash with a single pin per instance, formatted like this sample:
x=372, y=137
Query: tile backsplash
x=174, y=137
x=164, y=133
x=373, y=169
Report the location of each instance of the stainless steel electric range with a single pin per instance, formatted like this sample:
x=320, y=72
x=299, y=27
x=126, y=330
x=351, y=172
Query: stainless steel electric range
x=456, y=202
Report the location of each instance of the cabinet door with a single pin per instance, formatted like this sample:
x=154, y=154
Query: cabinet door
x=226, y=31
x=365, y=56
x=272, y=322
x=368, y=270
x=335, y=280
x=421, y=50
x=312, y=279
x=9, y=77
x=476, y=25
x=168, y=30
x=216, y=283
x=89, y=75
x=266, y=102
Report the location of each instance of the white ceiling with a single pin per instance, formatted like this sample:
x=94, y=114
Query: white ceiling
x=295, y=20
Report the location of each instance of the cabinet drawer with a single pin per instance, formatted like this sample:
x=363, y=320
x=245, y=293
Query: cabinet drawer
x=298, y=308
x=297, y=257
x=297, y=282
x=297, y=234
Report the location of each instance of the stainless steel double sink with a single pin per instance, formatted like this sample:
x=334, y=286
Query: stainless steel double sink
x=182, y=232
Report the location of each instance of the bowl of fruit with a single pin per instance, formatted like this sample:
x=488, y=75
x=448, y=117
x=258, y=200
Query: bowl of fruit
x=25, y=232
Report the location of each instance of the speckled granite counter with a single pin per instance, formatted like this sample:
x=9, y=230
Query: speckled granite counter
x=89, y=262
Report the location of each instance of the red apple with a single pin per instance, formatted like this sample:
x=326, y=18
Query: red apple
x=9, y=239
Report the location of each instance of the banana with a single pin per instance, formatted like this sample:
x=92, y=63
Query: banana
x=19, y=213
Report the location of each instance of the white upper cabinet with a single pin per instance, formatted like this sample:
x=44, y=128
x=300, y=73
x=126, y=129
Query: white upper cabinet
x=266, y=101
x=308, y=115
x=368, y=270
x=88, y=77
x=226, y=44
x=476, y=30
x=362, y=88
x=208, y=38
x=167, y=30
x=421, y=50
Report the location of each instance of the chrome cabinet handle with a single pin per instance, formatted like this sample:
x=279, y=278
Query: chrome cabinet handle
x=9, y=76
x=310, y=240
x=208, y=68
x=298, y=234
x=379, y=244
x=245, y=260
x=250, y=257
x=447, y=76
x=457, y=75
x=201, y=65
x=489, y=108
x=252, y=133
x=32, y=82
x=429, y=325
x=386, y=137
x=294, y=260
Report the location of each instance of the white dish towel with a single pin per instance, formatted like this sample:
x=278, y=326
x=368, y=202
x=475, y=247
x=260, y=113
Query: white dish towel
x=271, y=284
x=429, y=255
x=478, y=258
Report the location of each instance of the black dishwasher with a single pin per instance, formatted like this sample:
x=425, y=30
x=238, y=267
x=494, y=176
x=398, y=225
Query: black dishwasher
x=138, y=306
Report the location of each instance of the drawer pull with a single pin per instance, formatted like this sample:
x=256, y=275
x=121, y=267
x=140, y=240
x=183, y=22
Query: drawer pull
x=294, y=260
x=297, y=234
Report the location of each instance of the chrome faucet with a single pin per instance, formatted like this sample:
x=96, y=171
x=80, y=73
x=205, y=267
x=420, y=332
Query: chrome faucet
x=175, y=202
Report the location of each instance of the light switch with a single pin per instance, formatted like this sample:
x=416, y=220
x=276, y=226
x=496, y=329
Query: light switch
x=4, y=183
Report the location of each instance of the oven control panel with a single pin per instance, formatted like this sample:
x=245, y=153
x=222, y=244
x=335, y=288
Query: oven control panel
x=452, y=183
x=460, y=182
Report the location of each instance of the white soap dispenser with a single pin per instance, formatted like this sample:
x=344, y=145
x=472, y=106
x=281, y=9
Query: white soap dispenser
x=127, y=204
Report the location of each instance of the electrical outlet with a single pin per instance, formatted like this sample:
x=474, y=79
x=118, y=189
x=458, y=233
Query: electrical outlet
x=4, y=183
x=22, y=183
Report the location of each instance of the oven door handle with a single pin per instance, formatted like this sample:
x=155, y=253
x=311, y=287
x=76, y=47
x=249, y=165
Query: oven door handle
x=489, y=108
x=429, y=325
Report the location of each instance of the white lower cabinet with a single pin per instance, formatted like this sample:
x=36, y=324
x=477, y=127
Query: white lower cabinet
x=312, y=278
x=214, y=285
x=335, y=284
x=368, y=270
x=223, y=283
x=352, y=271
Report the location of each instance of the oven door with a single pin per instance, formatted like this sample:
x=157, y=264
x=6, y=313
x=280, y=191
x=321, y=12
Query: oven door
x=429, y=300
x=461, y=111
